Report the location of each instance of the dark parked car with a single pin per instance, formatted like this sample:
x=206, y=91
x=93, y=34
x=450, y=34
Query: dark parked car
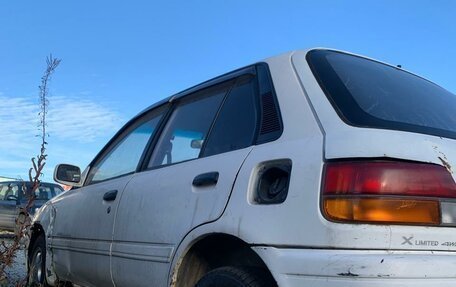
x=13, y=196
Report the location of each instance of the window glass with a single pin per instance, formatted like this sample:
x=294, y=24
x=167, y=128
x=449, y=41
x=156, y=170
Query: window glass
x=236, y=123
x=43, y=193
x=21, y=190
x=46, y=192
x=371, y=94
x=188, y=126
x=7, y=189
x=125, y=156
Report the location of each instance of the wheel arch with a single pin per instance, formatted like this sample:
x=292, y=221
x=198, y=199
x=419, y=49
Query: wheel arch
x=35, y=230
x=43, y=226
x=208, y=252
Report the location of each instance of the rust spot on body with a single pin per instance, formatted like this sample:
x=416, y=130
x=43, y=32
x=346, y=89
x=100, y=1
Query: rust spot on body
x=348, y=274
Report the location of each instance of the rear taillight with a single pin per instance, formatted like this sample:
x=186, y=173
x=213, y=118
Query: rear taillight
x=387, y=192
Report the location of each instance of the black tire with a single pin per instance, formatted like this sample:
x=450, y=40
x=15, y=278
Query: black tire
x=37, y=263
x=236, y=277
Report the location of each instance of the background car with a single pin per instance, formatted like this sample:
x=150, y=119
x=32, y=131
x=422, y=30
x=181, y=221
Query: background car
x=13, y=197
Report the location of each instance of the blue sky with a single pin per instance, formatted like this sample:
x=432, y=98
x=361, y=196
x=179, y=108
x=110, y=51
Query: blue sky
x=118, y=57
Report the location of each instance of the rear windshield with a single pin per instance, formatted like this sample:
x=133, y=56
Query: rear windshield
x=367, y=93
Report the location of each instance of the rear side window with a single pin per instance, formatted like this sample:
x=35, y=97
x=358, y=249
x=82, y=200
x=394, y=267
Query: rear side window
x=367, y=93
x=46, y=192
x=236, y=123
x=230, y=115
x=188, y=126
x=43, y=193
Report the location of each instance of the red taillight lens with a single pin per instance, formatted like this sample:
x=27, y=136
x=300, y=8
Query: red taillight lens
x=388, y=178
x=386, y=192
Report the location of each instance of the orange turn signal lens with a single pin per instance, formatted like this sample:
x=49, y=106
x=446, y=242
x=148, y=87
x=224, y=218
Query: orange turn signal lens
x=382, y=210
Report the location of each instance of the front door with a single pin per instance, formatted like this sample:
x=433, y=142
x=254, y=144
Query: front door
x=9, y=200
x=84, y=220
x=82, y=232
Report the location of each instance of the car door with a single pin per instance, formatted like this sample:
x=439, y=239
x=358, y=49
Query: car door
x=84, y=217
x=187, y=180
x=8, y=205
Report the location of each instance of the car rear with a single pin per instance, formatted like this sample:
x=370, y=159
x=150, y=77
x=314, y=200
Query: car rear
x=386, y=202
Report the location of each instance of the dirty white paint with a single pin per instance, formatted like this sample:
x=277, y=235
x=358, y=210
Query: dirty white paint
x=157, y=216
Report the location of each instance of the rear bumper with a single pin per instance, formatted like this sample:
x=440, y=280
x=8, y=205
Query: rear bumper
x=356, y=268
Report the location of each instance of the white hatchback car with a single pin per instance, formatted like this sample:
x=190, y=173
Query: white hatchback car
x=313, y=168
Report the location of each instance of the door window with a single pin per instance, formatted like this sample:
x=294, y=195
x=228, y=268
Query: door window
x=236, y=123
x=46, y=192
x=9, y=191
x=186, y=130
x=124, y=156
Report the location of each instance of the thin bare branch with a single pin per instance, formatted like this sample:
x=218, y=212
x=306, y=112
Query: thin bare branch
x=8, y=251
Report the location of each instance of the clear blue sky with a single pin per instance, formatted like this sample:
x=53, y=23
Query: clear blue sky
x=118, y=57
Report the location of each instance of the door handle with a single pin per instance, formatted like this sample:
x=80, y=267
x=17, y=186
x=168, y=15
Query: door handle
x=205, y=179
x=110, y=195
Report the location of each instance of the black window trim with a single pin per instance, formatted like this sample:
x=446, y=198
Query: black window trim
x=265, y=138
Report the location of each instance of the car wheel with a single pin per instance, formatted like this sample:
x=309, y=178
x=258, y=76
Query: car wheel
x=37, y=263
x=236, y=277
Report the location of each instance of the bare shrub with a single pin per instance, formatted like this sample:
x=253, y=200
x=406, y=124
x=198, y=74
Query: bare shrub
x=8, y=251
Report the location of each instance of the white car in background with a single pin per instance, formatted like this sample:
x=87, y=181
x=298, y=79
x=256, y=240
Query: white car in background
x=312, y=168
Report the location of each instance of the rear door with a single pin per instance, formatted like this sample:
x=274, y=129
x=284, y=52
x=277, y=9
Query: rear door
x=187, y=180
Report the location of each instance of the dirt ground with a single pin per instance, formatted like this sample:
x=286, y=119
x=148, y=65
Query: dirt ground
x=17, y=272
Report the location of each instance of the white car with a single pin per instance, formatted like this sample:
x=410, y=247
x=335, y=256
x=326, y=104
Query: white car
x=312, y=168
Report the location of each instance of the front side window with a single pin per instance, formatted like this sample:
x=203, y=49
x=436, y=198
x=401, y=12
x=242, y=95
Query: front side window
x=9, y=191
x=188, y=126
x=124, y=157
x=367, y=93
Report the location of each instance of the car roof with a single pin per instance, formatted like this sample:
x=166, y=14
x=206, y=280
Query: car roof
x=230, y=74
x=28, y=182
x=222, y=78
